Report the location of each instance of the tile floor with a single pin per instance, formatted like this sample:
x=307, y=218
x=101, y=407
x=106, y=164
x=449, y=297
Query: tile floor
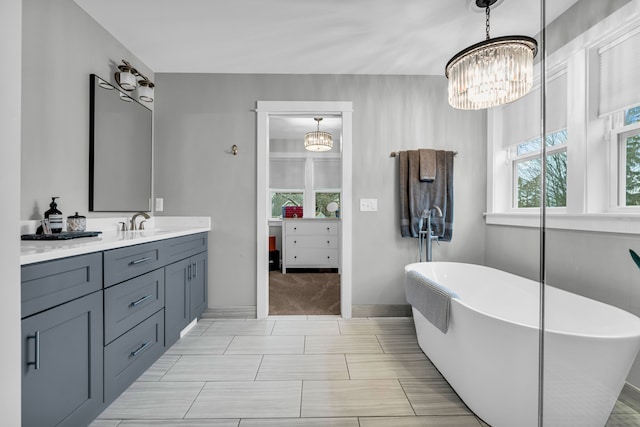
x=301, y=371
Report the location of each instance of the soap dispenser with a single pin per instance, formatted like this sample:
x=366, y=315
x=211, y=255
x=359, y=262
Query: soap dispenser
x=54, y=216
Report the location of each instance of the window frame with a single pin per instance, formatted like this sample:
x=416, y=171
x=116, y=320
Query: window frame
x=326, y=190
x=272, y=191
x=592, y=190
x=618, y=161
x=515, y=159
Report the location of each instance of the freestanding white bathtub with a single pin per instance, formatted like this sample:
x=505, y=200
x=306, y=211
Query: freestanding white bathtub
x=489, y=354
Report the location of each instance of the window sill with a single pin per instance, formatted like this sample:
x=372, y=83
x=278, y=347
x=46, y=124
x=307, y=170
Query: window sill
x=627, y=223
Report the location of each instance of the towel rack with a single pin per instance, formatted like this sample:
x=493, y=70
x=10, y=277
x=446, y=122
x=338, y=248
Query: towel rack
x=396, y=153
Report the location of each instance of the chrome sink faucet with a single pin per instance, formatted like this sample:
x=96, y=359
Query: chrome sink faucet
x=133, y=220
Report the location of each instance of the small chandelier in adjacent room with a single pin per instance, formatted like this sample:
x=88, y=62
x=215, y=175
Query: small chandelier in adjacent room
x=493, y=72
x=126, y=79
x=318, y=140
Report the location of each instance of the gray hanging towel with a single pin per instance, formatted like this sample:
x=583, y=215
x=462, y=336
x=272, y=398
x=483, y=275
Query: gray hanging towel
x=417, y=197
x=427, y=164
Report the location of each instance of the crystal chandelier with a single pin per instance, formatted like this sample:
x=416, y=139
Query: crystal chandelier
x=318, y=140
x=493, y=72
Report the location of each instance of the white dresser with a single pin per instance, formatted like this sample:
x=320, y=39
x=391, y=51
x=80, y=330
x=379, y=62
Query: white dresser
x=310, y=243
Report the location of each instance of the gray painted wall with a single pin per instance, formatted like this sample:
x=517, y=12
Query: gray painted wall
x=200, y=116
x=10, y=357
x=595, y=265
x=61, y=47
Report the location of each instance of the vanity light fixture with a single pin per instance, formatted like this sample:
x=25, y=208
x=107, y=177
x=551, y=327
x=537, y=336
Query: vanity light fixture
x=492, y=72
x=145, y=90
x=318, y=140
x=126, y=78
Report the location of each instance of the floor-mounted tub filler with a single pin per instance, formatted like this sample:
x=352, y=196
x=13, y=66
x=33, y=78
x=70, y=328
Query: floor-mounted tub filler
x=479, y=326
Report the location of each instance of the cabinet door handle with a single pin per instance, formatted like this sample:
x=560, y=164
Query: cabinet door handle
x=189, y=272
x=328, y=242
x=140, y=301
x=141, y=260
x=295, y=241
x=36, y=362
x=195, y=270
x=140, y=349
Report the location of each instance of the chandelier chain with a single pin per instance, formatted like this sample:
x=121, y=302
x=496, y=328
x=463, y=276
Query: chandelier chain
x=488, y=15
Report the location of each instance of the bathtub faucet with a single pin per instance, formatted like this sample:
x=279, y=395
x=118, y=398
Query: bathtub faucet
x=428, y=233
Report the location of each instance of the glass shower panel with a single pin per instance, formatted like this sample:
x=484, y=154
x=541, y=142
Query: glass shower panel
x=590, y=236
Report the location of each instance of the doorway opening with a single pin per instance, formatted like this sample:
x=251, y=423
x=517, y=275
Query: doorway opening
x=304, y=235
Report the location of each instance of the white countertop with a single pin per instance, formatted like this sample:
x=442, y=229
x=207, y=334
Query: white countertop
x=158, y=228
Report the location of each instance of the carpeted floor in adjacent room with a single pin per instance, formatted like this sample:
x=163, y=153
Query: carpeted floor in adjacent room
x=298, y=293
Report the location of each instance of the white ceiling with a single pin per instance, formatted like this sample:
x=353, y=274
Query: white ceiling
x=309, y=37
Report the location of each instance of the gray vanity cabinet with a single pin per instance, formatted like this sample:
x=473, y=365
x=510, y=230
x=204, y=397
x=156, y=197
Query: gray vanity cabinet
x=62, y=364
x=93, y=323
x=185, y=283
x=177, y=300
x=198, y=289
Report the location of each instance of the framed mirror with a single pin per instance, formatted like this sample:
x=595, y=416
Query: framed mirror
x=120, y=153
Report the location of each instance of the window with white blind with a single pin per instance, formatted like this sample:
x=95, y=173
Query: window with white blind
x=310, y=182
x=592, y=139
x=521, y=137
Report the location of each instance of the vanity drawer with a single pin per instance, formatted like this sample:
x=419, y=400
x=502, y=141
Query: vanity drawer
x=129, y=356
x=183, y=247
x=321, y=228
x=51, y=283
x=130, y=302
x=131, y=261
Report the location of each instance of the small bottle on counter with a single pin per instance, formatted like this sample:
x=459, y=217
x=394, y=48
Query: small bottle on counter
x=54, y=216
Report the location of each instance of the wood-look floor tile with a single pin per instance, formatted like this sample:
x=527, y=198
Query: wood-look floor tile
x=623, y=420
x=105, y=423
x=399, y=343
x=160, y=367
x=266, y=345
x=200, y=345
x=378, y=326
x=211, y=422
x=300, y=422
x=248, y=399
x=277, y=317
x=433, y=397
x=354, y=398
x=342, y=344
x=306, y=327
x=390, y=366
x=154, y=400
x=214, y=368
x=240, y=327
x=421, y=421
x=200, y=327
x=303, y=367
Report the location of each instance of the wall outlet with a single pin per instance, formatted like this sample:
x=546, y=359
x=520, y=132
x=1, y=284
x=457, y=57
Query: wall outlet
x=368, y=205
x=159, y=204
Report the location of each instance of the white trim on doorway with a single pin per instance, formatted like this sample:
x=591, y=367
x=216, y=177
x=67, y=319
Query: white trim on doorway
x=264, y=110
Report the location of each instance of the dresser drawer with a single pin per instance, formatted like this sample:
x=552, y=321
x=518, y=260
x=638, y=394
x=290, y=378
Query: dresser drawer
x=131, y=261
x=312, y=258
x=318, y=242
x=126, y=358
x=51, y=283
x=183, y=247
x=130, y=302
x=321, y=228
